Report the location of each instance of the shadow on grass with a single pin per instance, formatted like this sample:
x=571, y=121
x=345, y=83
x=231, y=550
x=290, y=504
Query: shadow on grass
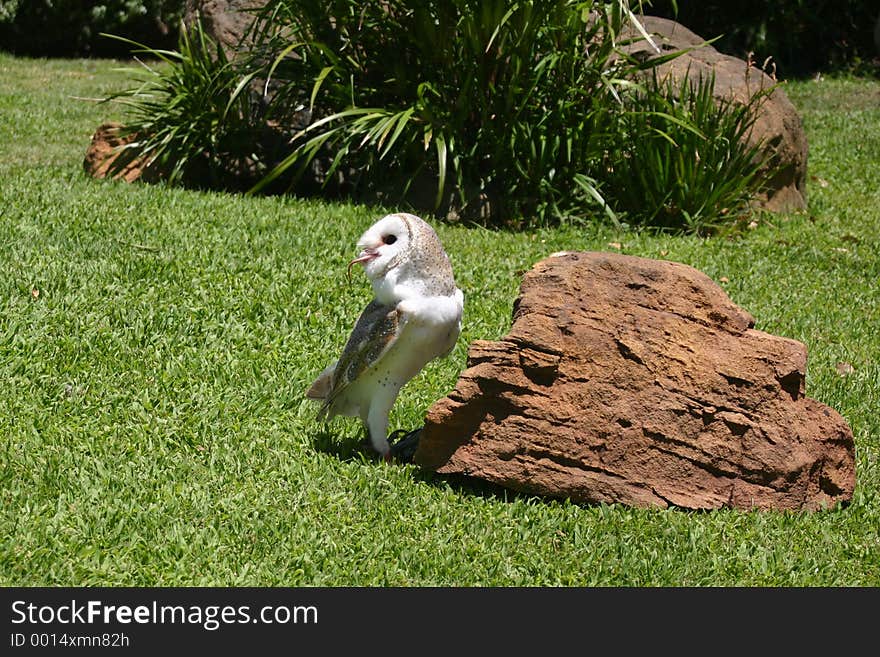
x=471, y=486
x=346, y=449
x=403, y=446
x=350, y=449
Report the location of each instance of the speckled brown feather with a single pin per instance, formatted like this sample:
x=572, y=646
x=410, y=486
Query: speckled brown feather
x=428, y=255
x=373, y=334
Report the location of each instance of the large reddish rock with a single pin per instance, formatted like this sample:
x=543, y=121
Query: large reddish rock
x=637, y=381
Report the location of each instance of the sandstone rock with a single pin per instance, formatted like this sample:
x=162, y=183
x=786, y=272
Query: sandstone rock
x=778, y=124
x=225, y=21
x=103, y=152
x=637, y=381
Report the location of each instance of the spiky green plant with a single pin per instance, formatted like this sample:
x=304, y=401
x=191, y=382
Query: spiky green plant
x=191, y=116
x=686, y=162
x=522, y=113
x=500, y=110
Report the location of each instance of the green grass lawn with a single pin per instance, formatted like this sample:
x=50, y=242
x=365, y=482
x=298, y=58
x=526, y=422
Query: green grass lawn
x=155, y=345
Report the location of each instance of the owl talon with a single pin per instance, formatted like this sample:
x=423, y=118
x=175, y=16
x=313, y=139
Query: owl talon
x=404, y=444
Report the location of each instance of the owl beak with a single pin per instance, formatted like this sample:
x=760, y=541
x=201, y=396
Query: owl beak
x=365, y=256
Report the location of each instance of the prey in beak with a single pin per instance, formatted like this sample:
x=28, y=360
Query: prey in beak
x=365, y=256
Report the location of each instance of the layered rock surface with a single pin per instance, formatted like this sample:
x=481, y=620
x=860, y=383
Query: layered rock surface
x=637, y=381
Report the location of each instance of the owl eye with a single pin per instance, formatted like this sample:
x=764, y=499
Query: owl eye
x=389, y=239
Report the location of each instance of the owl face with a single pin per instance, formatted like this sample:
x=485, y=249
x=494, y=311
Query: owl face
x=383, y=246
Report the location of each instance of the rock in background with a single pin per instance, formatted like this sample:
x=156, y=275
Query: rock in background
x=778, y=126
x=226, y=21
x=637, y=381
x=105, y=156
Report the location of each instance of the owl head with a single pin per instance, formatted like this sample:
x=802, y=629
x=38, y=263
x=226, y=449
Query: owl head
x=405, y=248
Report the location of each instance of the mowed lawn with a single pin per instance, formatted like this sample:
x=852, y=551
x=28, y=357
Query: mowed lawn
x=155, y=346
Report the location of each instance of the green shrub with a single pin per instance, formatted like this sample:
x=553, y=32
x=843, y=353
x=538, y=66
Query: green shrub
x=8, y=9
x=193, y=118
x=58, y=28
x=493, y=111
x=685, y=162
x=506, y=114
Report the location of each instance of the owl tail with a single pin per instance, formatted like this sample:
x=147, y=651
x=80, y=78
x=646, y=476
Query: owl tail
x=322, y=386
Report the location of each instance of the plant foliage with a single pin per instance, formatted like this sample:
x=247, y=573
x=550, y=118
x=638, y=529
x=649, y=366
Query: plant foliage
x=193, y=119
x=685, y=161
x=494, y=110
x=503, y=113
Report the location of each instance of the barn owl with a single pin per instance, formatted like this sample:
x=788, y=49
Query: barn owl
x=414, y=317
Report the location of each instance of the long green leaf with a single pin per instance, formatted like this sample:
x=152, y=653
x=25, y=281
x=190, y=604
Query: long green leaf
x=402, y=122
x=277, y=61
x=589, y=186
x=317, y=86
x=641, y=28
x=440, y=145
x=234, y=96
x=501, y=23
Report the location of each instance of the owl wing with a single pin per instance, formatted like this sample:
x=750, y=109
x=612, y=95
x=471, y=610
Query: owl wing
x=374, y=333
